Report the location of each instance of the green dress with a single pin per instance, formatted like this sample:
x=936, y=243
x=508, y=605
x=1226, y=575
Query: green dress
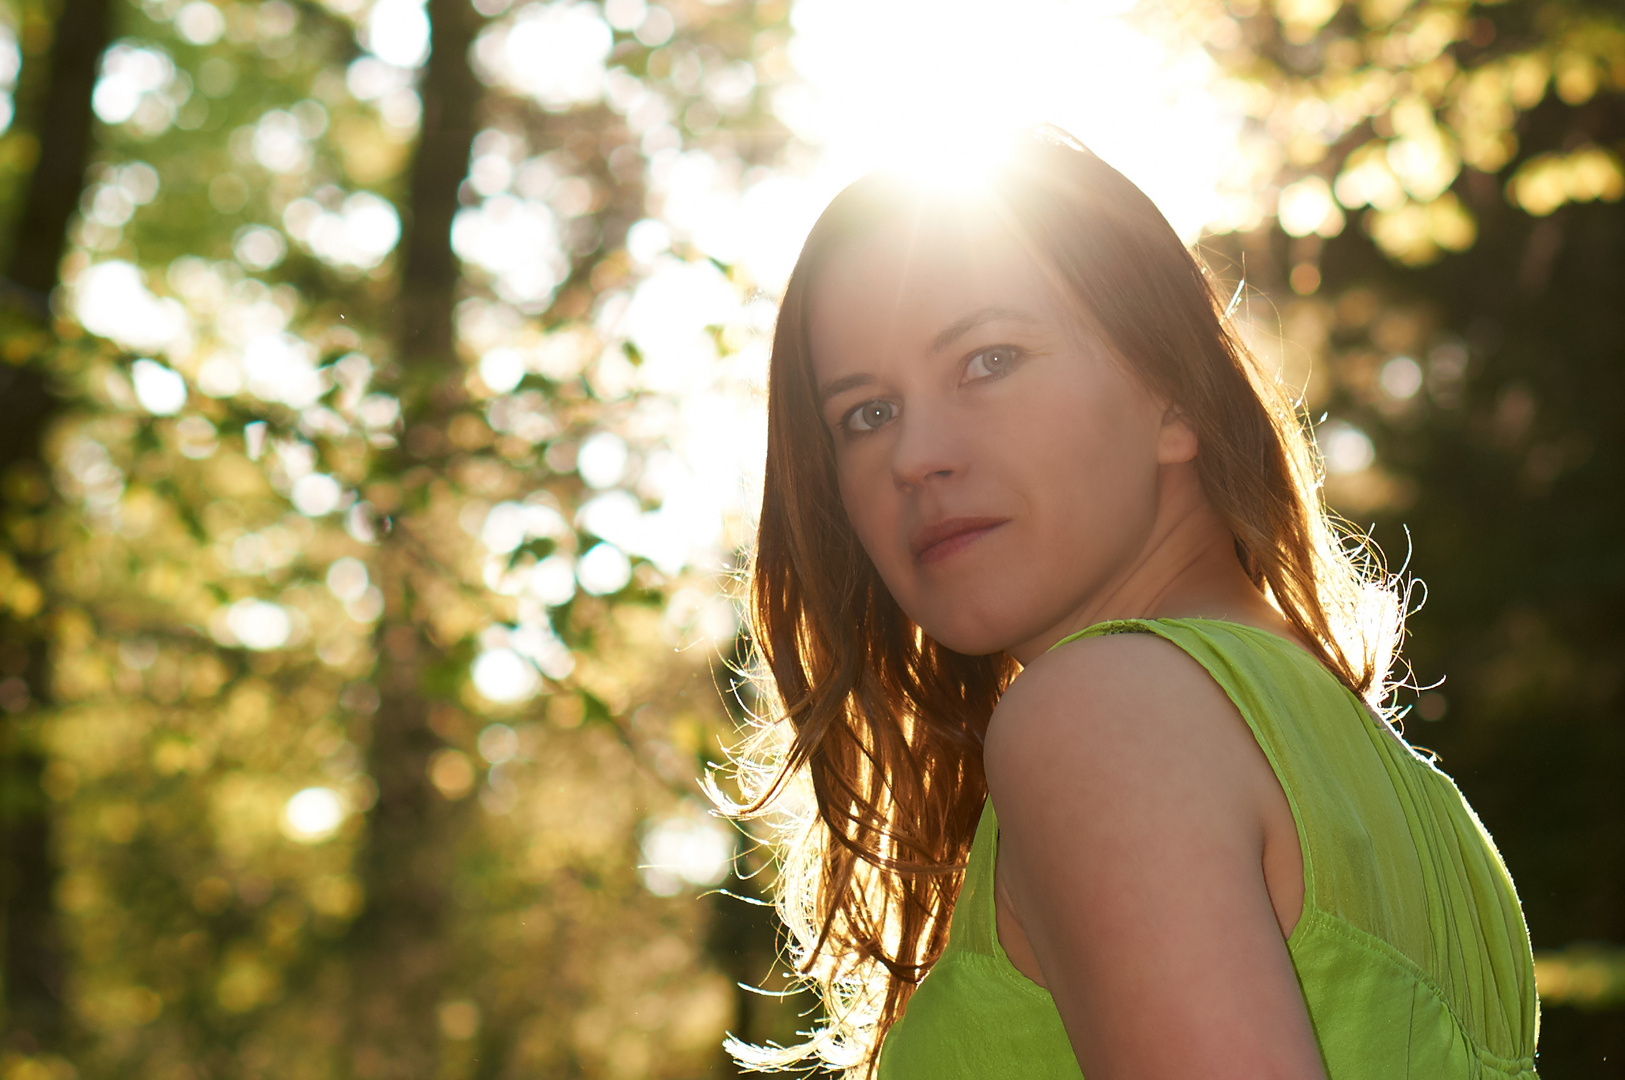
x=1411, y=951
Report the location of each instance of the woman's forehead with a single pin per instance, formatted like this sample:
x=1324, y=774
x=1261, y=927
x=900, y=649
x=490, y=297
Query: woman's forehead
x=927, y=253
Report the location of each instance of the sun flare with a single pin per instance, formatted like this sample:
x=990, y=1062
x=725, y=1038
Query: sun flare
x=904, y=84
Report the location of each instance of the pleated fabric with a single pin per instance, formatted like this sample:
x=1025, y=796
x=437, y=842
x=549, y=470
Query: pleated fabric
x=1411, y=950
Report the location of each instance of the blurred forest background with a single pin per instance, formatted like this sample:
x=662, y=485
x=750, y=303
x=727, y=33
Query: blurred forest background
x=379, y=387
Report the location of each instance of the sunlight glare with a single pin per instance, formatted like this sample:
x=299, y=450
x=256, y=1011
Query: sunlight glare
x=904, y=85
x=941, y=164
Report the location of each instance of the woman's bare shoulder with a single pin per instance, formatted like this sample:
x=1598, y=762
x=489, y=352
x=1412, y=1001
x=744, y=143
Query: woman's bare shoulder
x=1124, y=726
x=1111, y=695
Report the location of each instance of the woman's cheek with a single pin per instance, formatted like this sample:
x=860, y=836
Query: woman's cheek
x=864, y=497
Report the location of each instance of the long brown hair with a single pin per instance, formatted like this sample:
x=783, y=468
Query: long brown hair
x=873, y=757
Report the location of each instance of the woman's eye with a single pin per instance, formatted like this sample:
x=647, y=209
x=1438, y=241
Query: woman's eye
x=989, y=362
x=869, y=415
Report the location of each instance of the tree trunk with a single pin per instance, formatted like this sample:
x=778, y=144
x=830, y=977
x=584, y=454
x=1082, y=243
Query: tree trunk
x=429, y=270
x=403, y=953
x=33, y=961
x=32, y=966
x=64, y=131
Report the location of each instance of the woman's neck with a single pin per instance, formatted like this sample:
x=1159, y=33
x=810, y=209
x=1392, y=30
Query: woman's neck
x=1186, y=569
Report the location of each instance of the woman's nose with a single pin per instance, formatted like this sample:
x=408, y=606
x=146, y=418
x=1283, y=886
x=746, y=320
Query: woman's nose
x=928, y=448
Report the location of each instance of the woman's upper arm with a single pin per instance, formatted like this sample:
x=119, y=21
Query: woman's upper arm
x=1130, y=847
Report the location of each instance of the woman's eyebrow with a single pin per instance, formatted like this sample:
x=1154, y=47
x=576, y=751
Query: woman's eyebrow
x=960, y=327
x=843, y=384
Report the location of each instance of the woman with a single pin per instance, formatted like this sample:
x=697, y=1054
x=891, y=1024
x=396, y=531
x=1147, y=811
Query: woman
x=1009, y=431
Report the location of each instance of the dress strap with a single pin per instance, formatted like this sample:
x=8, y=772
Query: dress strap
x=974, y=924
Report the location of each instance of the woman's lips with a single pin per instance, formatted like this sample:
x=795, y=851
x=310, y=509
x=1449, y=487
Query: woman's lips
x=936, y=542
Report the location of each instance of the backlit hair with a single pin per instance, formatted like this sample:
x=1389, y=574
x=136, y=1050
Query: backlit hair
x=868, y=764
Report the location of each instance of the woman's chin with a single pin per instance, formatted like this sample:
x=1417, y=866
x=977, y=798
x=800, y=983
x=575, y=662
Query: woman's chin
x=972, y=640
x=993, y=614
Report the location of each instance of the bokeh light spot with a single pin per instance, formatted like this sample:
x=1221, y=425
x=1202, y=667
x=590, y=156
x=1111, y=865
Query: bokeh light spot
x=110, y=299
x=200, y=23
x=502, y=369
x=131, y=73
x=313, y=814
x=602, y=459
x=161, y=391
x=451, y=773
x=1401, y=378
x=259, y=248
x=553, y=52
x=604, y=569
x=259, y=624
x=685, y=849
x=459, y=1020
x=498, y=743
x=1307, y=207
x=347, y=578
x=397, y=32
x=553, y=580
x=317, y=495
x=503, y=676
x=1345, y=448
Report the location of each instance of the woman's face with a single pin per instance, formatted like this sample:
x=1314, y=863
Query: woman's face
x=998, y=462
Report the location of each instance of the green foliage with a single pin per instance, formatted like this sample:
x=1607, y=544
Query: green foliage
x=227, y=568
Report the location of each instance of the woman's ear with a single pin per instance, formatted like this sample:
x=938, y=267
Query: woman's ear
x=1176, y=441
